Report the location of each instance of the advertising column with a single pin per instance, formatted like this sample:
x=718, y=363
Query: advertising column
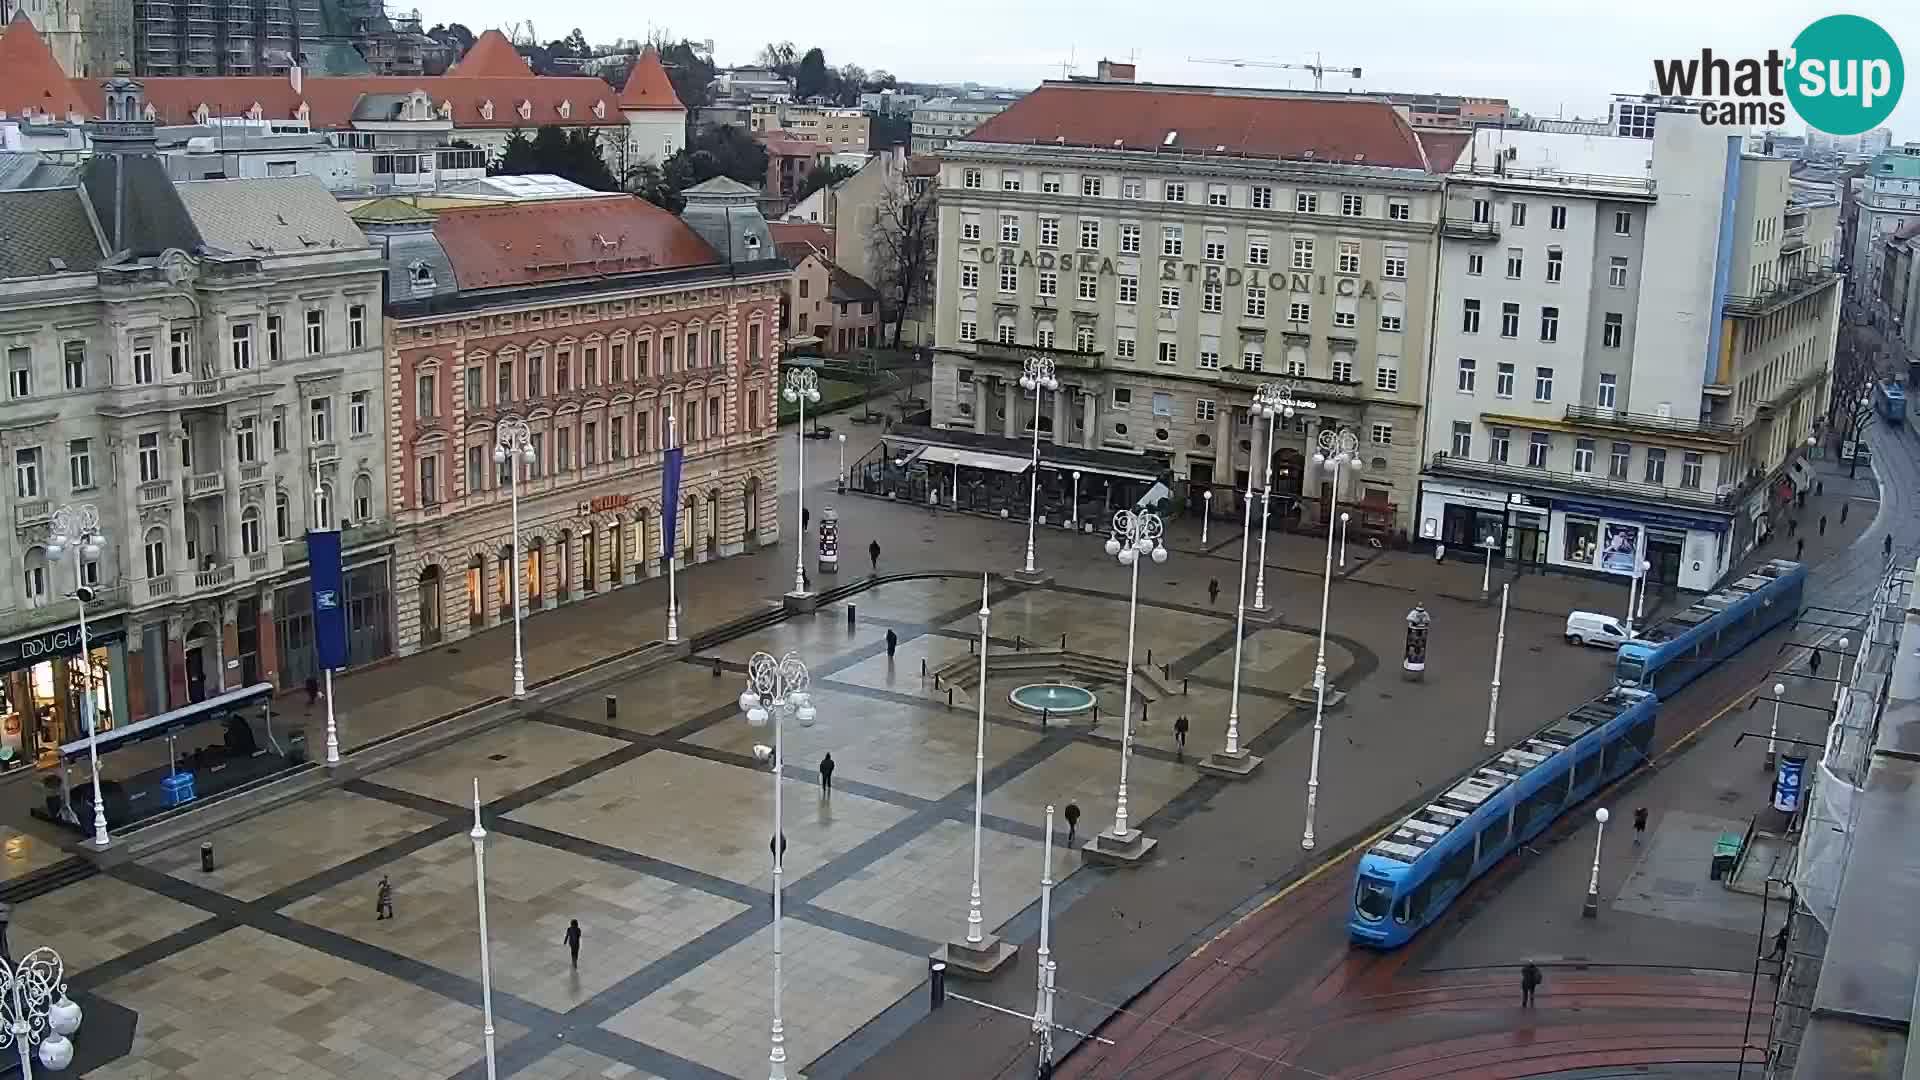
x=329, y=620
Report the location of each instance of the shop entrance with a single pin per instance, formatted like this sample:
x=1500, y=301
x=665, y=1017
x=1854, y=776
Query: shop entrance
x=1527, y=544
x=1664, y=550
x=1465, y=528
x=203, y=659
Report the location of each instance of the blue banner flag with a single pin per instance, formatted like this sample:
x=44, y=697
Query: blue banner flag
x=670, y=501
x=329, y=602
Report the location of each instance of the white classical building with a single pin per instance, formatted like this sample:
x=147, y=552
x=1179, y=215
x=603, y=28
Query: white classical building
x=1630, y=349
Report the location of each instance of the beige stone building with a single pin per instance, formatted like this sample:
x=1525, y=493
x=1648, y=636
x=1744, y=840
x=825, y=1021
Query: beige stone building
x=1172, y=248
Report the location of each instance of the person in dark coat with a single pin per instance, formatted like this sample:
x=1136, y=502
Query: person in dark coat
x=826, y=773
x=1073, y=821
x=383, y=900
x=893, y=643
x=572, y=940
x=1886, y=547
x=1529, y=982
x=1823, y=524
x=1180, y=735
x=313, y=689
x=873, y=554
x=1813, y=662
x=1843, y=513
x=1213, y=591
x=1639, y=825
x=1800, y=548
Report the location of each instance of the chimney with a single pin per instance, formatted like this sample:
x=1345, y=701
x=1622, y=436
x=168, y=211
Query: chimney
x=1109, y=71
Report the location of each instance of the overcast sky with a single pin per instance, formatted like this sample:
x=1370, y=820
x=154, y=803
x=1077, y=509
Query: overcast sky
x=1546, y=56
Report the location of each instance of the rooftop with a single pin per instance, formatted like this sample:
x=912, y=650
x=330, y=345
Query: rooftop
x=492, y=55
x=816, y=237
x=279, y=216
x=1520, y=152
x=34, y=82
x=531, y=243
x=851, y=288
x=648, y=87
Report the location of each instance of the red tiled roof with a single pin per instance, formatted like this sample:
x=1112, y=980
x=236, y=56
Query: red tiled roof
x=30, y=78
x=648, y=86
x=923, y=165
x=1443, y=148
x=534, y=243
x=1262, y=124
x=817, y=237
x=331, y=99
x=492, y=55
x=781, y=146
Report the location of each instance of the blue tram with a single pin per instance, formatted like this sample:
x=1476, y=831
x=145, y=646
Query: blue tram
x=1407, y=879
x=1686, y=644
x=1890, y=401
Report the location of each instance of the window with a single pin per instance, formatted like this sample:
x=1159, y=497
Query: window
x=1499, y=440
x=1083, y=339
x=1342, y=368
x=1129, y=290
x=283, y=515
x=1216, y=194
x=1514, y=263
x=1462, y=439
x=970, y=178
x=1210, y=297
x=359, y=409
x=1009, y=278
x=1253, y=356
x=1256, y=302
x=1049, y=232
x=969, y=330
x=1690, y=470
x=1386, y=373
x=1344, y=312
x=1009, y=229
x=1306, y=202
x=1623, y=223
x=1005, y=332
x=1169, y=352
x=1303, y=253
x=1124, y=347
x=429, y=477
x=1162, y=405
x=1209, y=354
x=1129, y=239
x=1557, y=217
x=363, y=495
x=1539, y=446
x=1393, y=262
x=1352, y=205
x=1618, y=459
x=1170, y=297
x=148, y=454
x=969, y=230
x=75, y=355
x=320, y=421
x=1261, y=198
x=1216, y=249
x=1172, y=240
x=1122, y=398
x=19, y=372
x=1257, y=250
x=1089, y=234
x=1009, y=180
x=1399, y=210
x=143, y=362
x=1043, y=336
x=1543, y=384
x=473, y=388
x=273, y=339
x=26, y=472
x=1382, y=434
x=1503, y=380
x=1392, y=314
x=1617, y=272
x=1583, y=455
x=250, y=539
x=1049, y=284
x=1465, y=380
x=1549, y=324
x=617, y=358
x=503, y=383
x=246, y=447
x=1299, y=311
x=1174, y=191
x=1089, y=288
x=1482, y=212
x=1205, y=410
x=1470, y=316
x=1049, y=184
x=1347, y=259
x=1296, y=362
x=1656, y=465
x=1133, y=189
x=1509, y=320
x=1091, y=186
x=1476, y=264
x=1556, y=265
x=1611, y=330
x=1519, y=213
x=179, y=351
x=79, y=464
x=156, y=552
x=1608, y=387
x=240, y=344
x=425, y=395
x=316, y=332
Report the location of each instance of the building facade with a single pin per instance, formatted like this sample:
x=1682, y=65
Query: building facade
x=939, y=122
x=1629, y=353
x=1171, y=266
x=1887, y=202
x=213, y=392
x=845, y=130
x=616, y=332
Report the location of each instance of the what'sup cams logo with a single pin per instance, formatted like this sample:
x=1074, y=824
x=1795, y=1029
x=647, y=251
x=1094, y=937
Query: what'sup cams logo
x=1843, y=76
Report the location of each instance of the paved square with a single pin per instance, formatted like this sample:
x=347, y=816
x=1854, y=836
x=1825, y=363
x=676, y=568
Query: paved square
x=922, y=888
x=628, y=920
x=1089, y=775
x=710, y=817
x=505, y=759
x=650, y=703
x=718, y=1014
x=265, y=854
x=97, y=920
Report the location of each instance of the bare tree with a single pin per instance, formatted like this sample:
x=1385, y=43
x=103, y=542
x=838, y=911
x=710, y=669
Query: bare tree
x=901, y=241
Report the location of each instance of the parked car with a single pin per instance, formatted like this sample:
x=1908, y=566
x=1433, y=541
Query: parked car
x=1591, y=628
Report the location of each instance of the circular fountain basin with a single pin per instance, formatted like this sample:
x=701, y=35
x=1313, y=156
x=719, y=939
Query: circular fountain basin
x=1059, y=699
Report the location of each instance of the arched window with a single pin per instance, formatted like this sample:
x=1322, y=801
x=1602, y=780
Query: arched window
x=323, y=507
x=156, y=552
x=36, y=576
x=282, y=516
x=251, y=541
x=363, y=497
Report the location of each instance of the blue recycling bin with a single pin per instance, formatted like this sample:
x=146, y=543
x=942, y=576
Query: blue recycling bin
x=177, y=789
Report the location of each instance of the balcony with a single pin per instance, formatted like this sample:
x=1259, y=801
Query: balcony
x=202, y=484
x=152, y=589
x=61, y=610
x=1720, y=501
x=252, y=474
x=1064, y=359
x=32, y=513
x=155, y=491
x=213, y=578
x=1459, y=228
x=1786, y=292
x=1498, y=172
x=1621, y=420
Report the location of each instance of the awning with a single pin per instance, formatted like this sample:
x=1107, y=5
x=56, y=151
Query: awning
x=213, y=708
x=976, y=459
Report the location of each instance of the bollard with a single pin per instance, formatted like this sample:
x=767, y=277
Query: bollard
x=1149, y=657
x=923, y=667
x=1143, y=712
x=949, y=697
x=1166, y=671
x=206, y=857
x=1044, y=713
x=613, y=707
x=1063, y=643
x=716, y=669
x=1183, y=684
x=937, y=982
x=850, y=613
x=1019, y=643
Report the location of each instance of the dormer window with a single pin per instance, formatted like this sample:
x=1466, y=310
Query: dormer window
x=525, y=109
x=486, y=110
x=599, y=110
x=566, y=110
x=420, y=275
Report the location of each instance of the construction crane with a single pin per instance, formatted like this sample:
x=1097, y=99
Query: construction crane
x=1320, y=70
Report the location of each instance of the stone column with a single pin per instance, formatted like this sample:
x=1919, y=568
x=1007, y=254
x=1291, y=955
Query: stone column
x=1223, y=445
x=1092, y=437
x=230, y=547
x=1060, y=397
x=1010, y=426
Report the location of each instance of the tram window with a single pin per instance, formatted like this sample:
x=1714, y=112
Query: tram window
x=1641, y=736
x=1542, y=804
x=1586, y=771
x=1610, y=757
x=1495, y=834
x=1374, y=898
x=1453, y=873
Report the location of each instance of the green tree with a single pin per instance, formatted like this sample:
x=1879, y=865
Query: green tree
x=516, y=157
x=812, y=78
x=823, y=176
x=571, y=154
x=690, y=73
x=453, y=34
x=650, y=183
x=779, y=58
x=717, y=150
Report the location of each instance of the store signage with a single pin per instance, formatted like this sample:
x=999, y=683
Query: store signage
x=1173, y=270
x=605, y=503
x=1644, y=517
x=62, y=641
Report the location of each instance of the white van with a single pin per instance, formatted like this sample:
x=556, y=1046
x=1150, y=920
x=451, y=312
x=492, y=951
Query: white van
x=1590, y=628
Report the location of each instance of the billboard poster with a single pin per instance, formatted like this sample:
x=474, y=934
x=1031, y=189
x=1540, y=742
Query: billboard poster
x=1620, y=548
x=1788, y=777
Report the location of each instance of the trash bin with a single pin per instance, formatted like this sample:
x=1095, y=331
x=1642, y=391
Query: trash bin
x=1726, y=852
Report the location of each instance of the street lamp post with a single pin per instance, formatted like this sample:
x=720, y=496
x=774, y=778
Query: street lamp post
x=843, y=463
x=1280, y=401
x=478, y=835
x=1206, y=514
x=76, y=531
x=1135, y=533
x=978, y=953
x=1036, y=375
x=1343, y=539
x=1839, y=679
x=513, y=447
x=1336, y=449
x=1486, y=576
x=1773, y=728
x=1043, y=958
x=1640, y=606
x=1591, y=909
x=1499, y=654
x=1076, y=500
x=775, y=689
x=33, y=997
x=803, y=385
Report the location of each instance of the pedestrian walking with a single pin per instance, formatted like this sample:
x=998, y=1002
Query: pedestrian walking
x=1820, y=487
x=572, y=940
x=1813, y=662
x=1780, y=940
x=893, y=642
x=383, y=900
x=1529, y=982
x=1843, y=513
x=873, y=554
x=1073, y=821
x=1639, y=825
x=1823, y=524
x=313, y=692
x=826, y=772
x=1886, y=547
x=1213, y=591
x=806, y=519
x=783, y=848
x=1793, y=526
x=1180, y=735
x=1800, y=548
